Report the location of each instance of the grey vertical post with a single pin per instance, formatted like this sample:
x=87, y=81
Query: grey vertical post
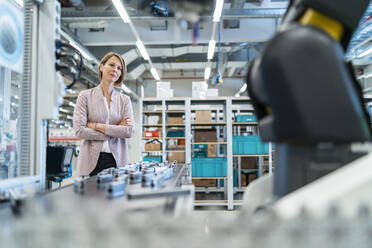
x=188, y=131
x=163, y=130
x=270, y=158
x=141, y=127
x=260, y=166
x=230, y=193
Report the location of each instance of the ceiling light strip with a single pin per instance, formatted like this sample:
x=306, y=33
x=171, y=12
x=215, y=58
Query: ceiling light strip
x=218, y=11
x=124, y=15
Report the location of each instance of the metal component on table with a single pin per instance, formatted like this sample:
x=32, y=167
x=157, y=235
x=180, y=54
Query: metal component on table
x=116, y=188
x=108, y=171
x=79, y=185
x=146, y=179
x=102, y=179
x=146, y=194
x=157, y=181
x=17, y=200
x=135, y=177
x=124, y=178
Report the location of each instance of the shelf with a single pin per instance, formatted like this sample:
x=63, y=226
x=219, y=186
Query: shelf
x=152, y=151
x=209, y=143
x=175, y=125
x=208, y=177
x=246, y=171
x=175, y=151
x=208, y=123
x=152, y=125
x=156, y=112
x=175, y=138
x=175, y=111
x=150, y=138
x=246, y=123
x=251, y=155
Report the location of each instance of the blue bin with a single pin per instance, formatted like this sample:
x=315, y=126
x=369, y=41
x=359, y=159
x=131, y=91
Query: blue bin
x=246, y=145
x=209, y=167
x=245, y=118
x=235, y=182
x=176, y=133
x=158, y=159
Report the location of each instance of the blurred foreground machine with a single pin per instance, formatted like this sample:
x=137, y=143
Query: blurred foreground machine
x=306, y=96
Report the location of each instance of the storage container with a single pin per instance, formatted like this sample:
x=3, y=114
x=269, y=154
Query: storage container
x=158, y=159
x=245, y=118
x=209, y=167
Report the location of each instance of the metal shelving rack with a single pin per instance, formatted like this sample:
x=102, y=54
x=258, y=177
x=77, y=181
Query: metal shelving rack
x=188, y=104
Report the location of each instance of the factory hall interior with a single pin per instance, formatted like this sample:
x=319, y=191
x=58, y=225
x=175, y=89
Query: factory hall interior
x=174, y=123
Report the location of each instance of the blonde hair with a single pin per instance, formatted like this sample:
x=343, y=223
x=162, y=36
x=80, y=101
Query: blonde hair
x=123, y=67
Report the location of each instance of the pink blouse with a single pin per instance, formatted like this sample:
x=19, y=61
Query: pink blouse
x=90, y=107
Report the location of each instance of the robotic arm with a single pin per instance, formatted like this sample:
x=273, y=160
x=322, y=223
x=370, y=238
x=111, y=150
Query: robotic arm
x=306, y=96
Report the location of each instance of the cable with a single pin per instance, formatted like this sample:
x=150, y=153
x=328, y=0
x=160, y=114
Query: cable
x=59, y=45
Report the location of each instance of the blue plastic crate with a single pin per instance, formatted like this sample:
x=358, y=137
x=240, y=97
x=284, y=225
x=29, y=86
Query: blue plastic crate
x=158, y=159
x=245, y=145
x=209, y=167
x=245, y=118
x=176, y=133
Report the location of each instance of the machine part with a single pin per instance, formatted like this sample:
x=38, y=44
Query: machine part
x=146, y=179
x=346, y=187
x=145, y=194
x=124, y=178
x=135, y=177
x=157, y=181
x=102, y=179
x=17, y=201
x=116, y=189
x=79, y=185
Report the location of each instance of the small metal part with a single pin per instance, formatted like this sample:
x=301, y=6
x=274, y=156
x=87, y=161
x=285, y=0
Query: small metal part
x=157, y=181
x=135, y=177
x=124, y=178
x=115, y=189
x=109, y=170
x=79, y=185
x=101, y=179
x=146, y=179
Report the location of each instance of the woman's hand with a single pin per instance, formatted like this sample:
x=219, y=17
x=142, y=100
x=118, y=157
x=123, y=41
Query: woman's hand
x=126, y=121
x=91, y=125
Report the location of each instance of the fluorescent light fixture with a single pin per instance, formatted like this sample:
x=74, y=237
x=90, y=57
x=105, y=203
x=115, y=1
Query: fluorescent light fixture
x=365, y=52
x=64, y=110
x=218, y=11
x=85, y=55
x=72, y=104
x=142, y=50
x=19, y=2
x=122, y=12
x=207, y=72
x=212, y=45
x=237, y=94
x=69, y=117
x=243, y=88
x=155, y=74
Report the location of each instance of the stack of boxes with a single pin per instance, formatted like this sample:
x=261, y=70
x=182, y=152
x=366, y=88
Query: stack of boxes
x=179, y=144
x=206, y=163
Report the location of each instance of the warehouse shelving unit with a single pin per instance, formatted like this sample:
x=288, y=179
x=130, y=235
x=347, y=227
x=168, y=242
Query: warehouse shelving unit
x=224, y=110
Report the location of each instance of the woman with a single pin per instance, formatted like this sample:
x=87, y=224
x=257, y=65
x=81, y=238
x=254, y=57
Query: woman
x=103, y=119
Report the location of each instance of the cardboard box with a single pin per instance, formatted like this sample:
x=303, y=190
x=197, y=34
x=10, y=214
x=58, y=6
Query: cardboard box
x=176, y=147
x=244, y=179
x=251, y=177
x=205, y=136
x=248, y=163
x=152, y=147
x=204, y=182
x=179, y=156
x=212, y=151
x=175, y=120
x=199, y=89
x=202, y=116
